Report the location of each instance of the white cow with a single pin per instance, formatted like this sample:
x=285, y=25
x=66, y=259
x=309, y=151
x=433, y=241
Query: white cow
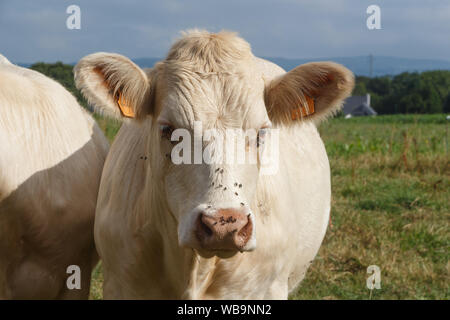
x=51, y=158
x=217, y=230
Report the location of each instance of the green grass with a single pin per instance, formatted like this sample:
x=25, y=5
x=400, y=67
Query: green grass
x=109, y=127
x=390, y=208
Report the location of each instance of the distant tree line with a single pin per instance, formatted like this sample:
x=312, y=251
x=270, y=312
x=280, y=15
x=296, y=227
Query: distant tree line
x=63, y=73
x=426, y=92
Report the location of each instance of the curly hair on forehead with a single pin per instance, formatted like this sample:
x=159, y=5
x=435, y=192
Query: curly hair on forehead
x=207, y=52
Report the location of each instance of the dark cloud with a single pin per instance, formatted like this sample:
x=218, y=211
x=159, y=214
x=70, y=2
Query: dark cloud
x=32, y=31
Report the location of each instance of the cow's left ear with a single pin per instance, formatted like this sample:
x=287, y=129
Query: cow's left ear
x=114, y=85
x=312, y=91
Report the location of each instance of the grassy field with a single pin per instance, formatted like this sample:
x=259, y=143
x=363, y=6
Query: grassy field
x=390, y=208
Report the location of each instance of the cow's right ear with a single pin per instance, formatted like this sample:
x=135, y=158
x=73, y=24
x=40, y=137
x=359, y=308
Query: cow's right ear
x=114, y=85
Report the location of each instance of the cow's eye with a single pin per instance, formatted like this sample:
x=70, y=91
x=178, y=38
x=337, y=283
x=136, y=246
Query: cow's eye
x=166, y=131
x=261, y=135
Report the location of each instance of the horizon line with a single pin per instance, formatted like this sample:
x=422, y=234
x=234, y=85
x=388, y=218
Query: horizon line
x=265, y=57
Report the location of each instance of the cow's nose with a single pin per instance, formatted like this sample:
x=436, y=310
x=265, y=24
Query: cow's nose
x=226, y=229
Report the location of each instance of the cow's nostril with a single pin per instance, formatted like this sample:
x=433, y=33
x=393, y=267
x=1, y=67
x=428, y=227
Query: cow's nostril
x=244, y=235
x=226, y=229
x=203, y=230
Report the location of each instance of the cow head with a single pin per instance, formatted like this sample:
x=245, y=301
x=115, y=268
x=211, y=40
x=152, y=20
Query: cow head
x=208, y=89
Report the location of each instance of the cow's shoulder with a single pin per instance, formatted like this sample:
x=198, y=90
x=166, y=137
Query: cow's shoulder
x=51, y=150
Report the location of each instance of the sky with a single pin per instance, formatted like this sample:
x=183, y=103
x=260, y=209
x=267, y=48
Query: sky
x=33, y=31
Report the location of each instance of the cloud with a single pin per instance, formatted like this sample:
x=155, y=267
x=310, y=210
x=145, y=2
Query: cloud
x=32, y=31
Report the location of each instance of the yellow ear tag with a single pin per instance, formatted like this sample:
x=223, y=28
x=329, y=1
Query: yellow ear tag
x=126, y=110
x=303, y=111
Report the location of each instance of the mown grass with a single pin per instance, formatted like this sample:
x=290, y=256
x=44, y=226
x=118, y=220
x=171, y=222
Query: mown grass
x=390, y=208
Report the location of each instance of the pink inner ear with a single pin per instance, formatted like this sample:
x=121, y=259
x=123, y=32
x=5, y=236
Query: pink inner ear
x=98, y=71
x=124, y=106
x=309, y=109
x=322, y=82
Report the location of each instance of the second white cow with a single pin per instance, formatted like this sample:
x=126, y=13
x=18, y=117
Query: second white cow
x=51, y=159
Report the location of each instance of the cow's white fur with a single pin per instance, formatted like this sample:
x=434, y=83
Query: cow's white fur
x=147, y=207
x=51, y=158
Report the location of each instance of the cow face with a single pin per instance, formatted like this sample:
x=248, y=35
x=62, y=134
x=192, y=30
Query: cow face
x=208, y=99
x=212, y=131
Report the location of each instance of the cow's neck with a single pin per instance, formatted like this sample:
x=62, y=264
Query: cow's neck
x=193, y=274
x=202, y=272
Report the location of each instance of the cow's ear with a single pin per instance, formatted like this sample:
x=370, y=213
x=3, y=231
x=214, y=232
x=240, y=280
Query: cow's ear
x=114, y=85
x=312, y=91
